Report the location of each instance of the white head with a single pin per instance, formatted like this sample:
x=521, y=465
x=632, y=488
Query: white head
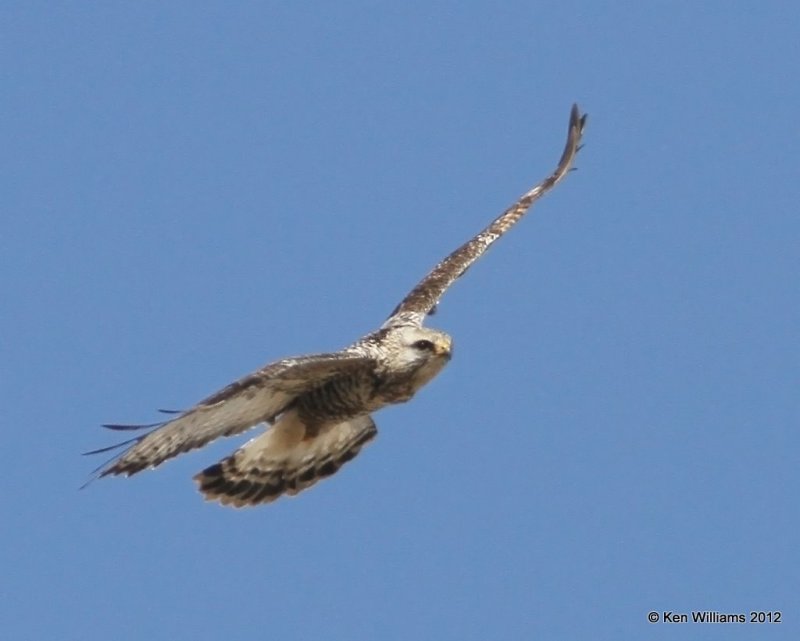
x=421, y=351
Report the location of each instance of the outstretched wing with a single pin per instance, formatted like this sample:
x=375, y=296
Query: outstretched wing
x=424, y=297
x=254, y=399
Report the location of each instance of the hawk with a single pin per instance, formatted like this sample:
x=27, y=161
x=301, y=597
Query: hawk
x=318, y=408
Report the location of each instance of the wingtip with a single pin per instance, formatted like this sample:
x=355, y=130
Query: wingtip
x=97, y=473
x=577, y=120
x=120, y=427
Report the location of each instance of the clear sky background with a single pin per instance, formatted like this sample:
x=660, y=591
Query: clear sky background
x=193, y=189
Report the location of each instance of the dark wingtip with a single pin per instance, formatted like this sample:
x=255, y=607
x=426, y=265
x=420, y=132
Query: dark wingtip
x=112, y=447
x=577, y=123
x=101, y=470
x=118, y=427
x=576, y=118
x=125, y=427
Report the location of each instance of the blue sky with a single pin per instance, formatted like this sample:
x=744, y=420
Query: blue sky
x=190, y=191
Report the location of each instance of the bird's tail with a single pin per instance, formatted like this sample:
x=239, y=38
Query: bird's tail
x=286, y=459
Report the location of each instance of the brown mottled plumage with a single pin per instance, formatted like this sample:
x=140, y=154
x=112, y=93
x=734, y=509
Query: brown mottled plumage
x=317, y=408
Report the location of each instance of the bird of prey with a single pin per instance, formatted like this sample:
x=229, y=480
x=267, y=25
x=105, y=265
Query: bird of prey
x=318, y=408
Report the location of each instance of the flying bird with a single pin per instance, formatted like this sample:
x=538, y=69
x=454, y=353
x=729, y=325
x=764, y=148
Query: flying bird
x=318, y=408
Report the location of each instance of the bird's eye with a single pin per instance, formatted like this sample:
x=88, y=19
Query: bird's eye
x=423, y=344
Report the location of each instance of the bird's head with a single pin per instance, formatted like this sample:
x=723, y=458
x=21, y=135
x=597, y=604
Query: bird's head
x=421, y=350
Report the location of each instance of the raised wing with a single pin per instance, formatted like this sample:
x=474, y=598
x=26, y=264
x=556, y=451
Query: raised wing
x=256, y=398
x=422, y=300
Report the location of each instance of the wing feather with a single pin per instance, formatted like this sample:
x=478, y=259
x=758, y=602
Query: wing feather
x=423, y=299
x=256, y=398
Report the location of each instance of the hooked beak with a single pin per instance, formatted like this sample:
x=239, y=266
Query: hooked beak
x=443, y=349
